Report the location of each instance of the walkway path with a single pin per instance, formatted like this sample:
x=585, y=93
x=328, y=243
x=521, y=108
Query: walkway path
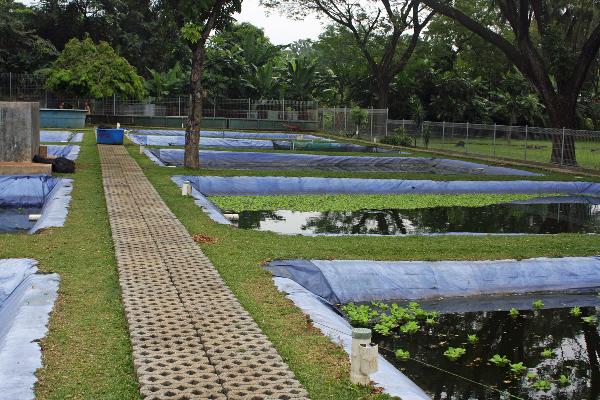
x=191, y=338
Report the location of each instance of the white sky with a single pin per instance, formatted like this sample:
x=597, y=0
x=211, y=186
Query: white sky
x=278, y=28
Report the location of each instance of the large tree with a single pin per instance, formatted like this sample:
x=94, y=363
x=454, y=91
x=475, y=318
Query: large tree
x=553, y=43
x=386, y=32
x=198, y=19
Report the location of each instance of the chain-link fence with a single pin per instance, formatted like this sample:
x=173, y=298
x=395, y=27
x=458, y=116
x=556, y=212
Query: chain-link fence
x=352, y=122
x=566, y=147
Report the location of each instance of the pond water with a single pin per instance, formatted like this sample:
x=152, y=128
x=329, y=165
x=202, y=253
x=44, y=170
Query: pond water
x=549, y=343
x=500, y=218
x=17, y=219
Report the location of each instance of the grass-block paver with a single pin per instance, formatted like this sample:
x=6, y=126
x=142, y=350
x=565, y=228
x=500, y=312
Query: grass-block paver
x=191, y=338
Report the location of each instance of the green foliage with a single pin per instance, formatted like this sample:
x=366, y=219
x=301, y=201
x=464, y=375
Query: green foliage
x=472, y=338
x=93, y=70
x=563, y=380
x=499, y=361
x=548, y=353
x=455, y=353
x=575, y=311
x=359, y=315
x=402, y=355
x=517, y=368
x=400, y=138
x=531, y=376
x=591, y=320
x=359, y=202
x=542, y=385
x=514, y=313
x=386, y=324
x=164, y=84
x=538, y=304
x=410, y=327
x=359, y=117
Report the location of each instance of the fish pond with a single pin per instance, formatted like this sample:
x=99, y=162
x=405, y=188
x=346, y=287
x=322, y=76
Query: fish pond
x=544, y=351
x=511, y=218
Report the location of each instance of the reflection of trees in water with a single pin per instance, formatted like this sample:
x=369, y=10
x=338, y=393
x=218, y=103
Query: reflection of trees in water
x=539, y=218
x=384, y=222
x=252, y=219
x=522, y=339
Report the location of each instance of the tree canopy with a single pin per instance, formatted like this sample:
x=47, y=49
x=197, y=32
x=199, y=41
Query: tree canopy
x=85, y=69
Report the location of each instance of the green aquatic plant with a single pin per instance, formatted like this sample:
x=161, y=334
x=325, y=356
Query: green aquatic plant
x=400, y=313
x=513, y=312
x=359, y=315
x=499, y=361
x=431, y=321
x=531, y=376
x=410, y=327
x=538, y=304
x=402, y=355
x=563, y=380
x=472, y=339
x=517, y=368
x=385, y=325
x=548, y=353
x=454, y=353
x=592, y=320
x=575, y=311
x=543, y=385
x=357, y=202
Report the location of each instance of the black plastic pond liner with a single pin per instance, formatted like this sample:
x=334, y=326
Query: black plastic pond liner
x=345, y=281
x=283, y=161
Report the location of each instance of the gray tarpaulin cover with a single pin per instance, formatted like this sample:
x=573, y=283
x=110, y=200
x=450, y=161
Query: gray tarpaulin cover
x=273, y=185
x=26, y=299
x=279, y=161
x=234, y=135
x=69, y=151
x=156, y=140
x=51, y=193
x=60, y=137
x=344, y=281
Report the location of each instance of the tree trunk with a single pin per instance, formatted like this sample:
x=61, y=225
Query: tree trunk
x=383, y=92
x=562, y=114
x=194, y=122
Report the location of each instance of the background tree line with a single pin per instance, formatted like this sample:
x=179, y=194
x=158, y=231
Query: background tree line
x=370, y=54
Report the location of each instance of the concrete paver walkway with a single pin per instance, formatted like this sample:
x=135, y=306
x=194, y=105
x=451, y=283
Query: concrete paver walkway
x=191, y=338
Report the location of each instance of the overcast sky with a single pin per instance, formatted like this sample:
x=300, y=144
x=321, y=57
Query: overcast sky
x=278, y=28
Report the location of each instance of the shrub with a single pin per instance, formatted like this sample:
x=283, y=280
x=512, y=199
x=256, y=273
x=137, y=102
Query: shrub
x=400, y=138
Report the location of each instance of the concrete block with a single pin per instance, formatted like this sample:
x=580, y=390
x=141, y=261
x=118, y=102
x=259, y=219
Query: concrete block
x=19, y=131
x=25, y=168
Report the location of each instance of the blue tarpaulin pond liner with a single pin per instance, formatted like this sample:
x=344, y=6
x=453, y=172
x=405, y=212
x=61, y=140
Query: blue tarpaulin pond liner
x=284, y=161
x=276, y=185
x=344, y=281
x=26, y=299
x=149, y=140
x=69, y=151
x=51, y=194
x=234, y=135
x=60, y=137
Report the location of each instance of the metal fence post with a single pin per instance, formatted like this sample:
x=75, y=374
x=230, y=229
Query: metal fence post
x=494, y=141
x=562, y=147
x=387, y=116
x=443, y=134
x=345, y=119
x=283, y=108
x=371, y=123
x=467, y=139
x=526, y=137
x=179, y=106
x=114, y=104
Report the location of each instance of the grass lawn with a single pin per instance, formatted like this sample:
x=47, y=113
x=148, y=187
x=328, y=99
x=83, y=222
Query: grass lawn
x=87, y=353
x=238, y=255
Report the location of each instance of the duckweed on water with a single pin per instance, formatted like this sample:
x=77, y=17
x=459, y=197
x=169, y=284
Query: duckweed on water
x=356, y=202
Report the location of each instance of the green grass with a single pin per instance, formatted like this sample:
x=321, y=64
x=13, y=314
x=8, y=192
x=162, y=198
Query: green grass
x=238, y=255
x=355, y=202
x=87, y=353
